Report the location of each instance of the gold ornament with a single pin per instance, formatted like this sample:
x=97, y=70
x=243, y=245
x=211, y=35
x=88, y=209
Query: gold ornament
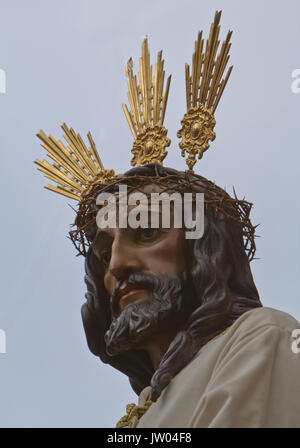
x=149, y=146
x=133, y=415
x=148, y=106
x=75, y=168
x=196, y=132
x=204, y=88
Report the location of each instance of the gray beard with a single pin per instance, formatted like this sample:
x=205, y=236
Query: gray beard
x=170, y=303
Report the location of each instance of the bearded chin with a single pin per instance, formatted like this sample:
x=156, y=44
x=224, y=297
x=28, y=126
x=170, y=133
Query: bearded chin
x=166, y=309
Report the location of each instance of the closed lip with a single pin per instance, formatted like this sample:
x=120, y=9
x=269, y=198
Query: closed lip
x=126, y=295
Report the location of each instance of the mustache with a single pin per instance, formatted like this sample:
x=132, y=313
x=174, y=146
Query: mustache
x=164, y=311
x=145, y=280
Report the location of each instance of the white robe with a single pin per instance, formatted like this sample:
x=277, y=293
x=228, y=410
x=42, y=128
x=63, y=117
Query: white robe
x=247, y=377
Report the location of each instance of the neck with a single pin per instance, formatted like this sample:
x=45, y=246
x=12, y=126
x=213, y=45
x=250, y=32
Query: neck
x=158, y=346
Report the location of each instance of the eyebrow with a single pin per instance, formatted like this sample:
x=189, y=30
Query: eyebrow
x=104, y=233
x=102, y=238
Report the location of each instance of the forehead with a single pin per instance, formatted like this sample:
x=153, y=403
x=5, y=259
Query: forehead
x=149, y=188
x=120, y=203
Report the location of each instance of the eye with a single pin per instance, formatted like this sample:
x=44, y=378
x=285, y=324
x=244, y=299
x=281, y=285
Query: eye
x=105, y=255
x=148, y=234
x=102, y=248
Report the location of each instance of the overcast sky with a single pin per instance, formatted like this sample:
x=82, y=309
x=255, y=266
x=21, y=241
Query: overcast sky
x=64, y=62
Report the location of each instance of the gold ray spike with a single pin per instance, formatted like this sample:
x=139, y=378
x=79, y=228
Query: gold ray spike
x=148, y=104
x=75, y=168
x=204, y=88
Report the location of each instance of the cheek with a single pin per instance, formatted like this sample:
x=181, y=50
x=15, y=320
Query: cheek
x=168, y=257
x=109, y=283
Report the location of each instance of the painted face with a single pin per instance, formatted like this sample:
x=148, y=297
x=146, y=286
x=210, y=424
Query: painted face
x=123, y=251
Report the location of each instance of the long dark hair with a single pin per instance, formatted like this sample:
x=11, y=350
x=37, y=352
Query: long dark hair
x=223, y=286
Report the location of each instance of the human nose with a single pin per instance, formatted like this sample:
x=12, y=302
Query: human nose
x=124, y=260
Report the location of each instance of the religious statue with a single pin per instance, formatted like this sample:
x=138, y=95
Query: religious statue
x=180, y=316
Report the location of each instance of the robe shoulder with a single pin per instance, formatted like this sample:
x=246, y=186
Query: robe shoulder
x=248, y=377
x=264, y=316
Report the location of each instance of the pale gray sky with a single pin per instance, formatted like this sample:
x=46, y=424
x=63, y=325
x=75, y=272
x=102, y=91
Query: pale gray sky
x=64, y=62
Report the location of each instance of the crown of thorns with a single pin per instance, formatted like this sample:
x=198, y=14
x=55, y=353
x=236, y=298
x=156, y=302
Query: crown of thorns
x=232, y=208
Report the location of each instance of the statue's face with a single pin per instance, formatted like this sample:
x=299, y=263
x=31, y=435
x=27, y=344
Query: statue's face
x=161, y=252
